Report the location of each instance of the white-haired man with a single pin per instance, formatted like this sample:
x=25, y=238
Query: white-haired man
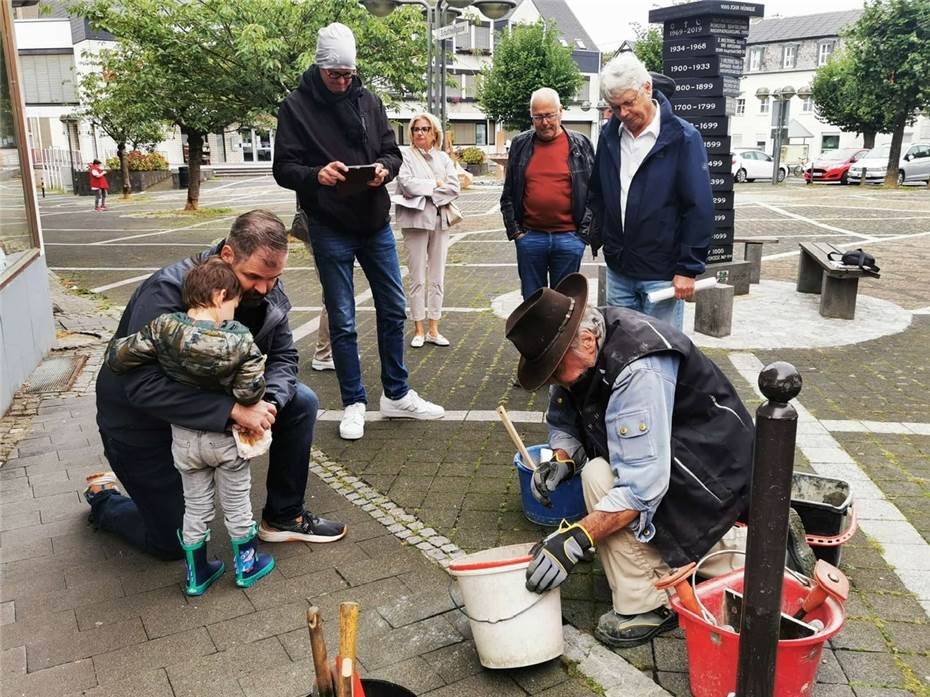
x=650, y=198
x=545, y=190
x=664, y=440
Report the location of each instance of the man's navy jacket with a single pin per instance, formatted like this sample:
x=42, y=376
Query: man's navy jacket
x=669, y=209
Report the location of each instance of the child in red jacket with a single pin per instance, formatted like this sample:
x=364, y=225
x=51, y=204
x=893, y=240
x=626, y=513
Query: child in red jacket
x=99, y=185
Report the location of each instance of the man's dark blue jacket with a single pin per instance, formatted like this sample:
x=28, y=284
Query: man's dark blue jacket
x=669, y=209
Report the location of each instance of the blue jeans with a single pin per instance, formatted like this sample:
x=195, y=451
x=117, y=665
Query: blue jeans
x=335, y=252
x=545, y=258
x=623, y=291
x=150, y=516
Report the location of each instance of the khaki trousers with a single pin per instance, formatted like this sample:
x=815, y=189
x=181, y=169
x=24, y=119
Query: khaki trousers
x=631, y=566
x=426, y=260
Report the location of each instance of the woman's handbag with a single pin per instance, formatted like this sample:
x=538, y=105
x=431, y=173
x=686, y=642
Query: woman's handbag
x=453, y=214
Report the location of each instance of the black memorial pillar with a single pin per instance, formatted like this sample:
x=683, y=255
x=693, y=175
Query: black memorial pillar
x=703, y=49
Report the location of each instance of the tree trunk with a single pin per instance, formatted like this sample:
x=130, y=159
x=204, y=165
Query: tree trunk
x=894, y=157
x=194, y=156
x=868, y=139
x=124, y=169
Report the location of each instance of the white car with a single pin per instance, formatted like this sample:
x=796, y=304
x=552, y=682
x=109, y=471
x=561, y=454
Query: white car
x=752, y=163
x=914, y=165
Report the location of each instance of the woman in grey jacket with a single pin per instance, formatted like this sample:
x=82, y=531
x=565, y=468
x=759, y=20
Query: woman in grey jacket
x=426, y=184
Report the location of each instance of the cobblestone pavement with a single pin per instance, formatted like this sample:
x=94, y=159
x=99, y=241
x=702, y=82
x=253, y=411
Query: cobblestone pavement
x=82, y=613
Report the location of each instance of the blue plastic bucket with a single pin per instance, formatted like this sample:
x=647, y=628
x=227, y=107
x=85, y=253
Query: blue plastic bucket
x=567, y=500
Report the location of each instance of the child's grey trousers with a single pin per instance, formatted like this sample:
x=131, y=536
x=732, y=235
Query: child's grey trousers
x=208, y=462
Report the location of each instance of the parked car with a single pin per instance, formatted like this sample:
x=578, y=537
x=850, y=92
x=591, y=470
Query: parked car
x=914, y=165
x=833, y=165
x=750, y=164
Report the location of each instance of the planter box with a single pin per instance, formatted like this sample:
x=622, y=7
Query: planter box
x=478, y=170
x=139, y=181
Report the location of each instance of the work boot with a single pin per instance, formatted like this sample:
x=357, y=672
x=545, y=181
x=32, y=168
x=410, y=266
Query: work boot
x=201, y=572
x=626, y=631
x=800, y=557
x=251, y=565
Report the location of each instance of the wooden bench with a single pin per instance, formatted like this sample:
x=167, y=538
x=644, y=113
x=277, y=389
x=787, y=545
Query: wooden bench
x=752, y=252
x=836, y=283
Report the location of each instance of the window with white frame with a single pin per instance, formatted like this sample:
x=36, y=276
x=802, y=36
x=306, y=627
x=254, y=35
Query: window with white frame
x=789, y=56
x=740, y=106
x=764, y=105
x=824, y=51
x=807, y=105
x=755, y=60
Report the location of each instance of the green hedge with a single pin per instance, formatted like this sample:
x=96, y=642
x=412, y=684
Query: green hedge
x=471, y=156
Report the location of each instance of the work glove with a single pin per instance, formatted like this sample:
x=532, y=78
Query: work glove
x=549, y=475
x=555, y=556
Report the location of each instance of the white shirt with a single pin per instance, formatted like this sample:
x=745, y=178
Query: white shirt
x=633, y=150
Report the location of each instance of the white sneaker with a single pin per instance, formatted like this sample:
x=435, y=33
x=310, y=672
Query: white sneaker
x=410, y=406
x=417, y=341
x=439, y=340
x=352, y=426
x=328, y=364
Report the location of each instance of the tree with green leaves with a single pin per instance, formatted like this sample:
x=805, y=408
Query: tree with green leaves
x=113, y=104
x=648, y=46
x=838, y=100
x=212, y=64
x=890, y=51
x=527, y=58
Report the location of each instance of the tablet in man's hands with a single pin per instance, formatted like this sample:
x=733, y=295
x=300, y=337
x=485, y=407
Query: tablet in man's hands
x=357, y=178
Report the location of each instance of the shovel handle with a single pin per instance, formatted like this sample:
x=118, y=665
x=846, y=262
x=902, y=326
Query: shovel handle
x=515, y=437
x=348, y=629
x=324, y=678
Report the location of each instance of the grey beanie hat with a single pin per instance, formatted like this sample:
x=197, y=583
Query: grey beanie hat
x=335, y=47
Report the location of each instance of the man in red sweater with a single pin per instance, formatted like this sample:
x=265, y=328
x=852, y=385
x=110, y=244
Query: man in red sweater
x=543, y=202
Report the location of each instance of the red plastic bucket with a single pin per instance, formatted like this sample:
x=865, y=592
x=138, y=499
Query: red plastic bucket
x=713, y=652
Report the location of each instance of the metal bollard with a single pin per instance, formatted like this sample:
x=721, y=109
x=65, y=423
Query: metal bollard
x=602, y=285
x=773, y=461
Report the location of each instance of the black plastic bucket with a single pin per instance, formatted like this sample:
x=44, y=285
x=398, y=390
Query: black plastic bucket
x=825, y=507
x=381, y=688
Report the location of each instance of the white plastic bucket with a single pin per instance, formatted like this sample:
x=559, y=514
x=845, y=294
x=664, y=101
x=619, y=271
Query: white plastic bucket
x=512, y=627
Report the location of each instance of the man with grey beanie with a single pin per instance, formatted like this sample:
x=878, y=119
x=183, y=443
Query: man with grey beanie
x=325, y=126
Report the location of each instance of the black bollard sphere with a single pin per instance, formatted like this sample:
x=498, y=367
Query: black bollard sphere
x=780, y=382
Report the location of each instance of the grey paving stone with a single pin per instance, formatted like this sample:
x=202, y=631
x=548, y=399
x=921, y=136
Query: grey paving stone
x=567, y=689
x=7, y=613
x=870, y=668
x=223, y=602
x=415, y=674
x=276, y=590
x=71, y=598
x=259, y=625
x=824, y=690
x=40, y=627
x=860, y=635
x=127, y=607
x=414, y=607
x=676, y=683
x=539, y=678
x=12, y=521
x=158, y=653
x=485, y=684
x=53, y=681
x=153, y=683
x=880, y=692
x=219, y=673
x=455, y=662
x=65, y=648
x=829, y=670
x=285, y=680
x=362, y=572
x=13, y=661
x=407, y=642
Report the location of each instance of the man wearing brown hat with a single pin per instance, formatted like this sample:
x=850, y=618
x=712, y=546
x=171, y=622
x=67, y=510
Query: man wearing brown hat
x=663, y=439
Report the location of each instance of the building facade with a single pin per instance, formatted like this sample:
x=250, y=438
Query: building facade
x=786, y=51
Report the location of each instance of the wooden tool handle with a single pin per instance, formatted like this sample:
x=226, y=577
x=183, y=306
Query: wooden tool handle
x=346, y=679
x=515, y=437
x=348, y=629
x=324, y=679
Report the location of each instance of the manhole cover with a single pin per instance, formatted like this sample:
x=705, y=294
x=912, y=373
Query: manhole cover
x=55, y=374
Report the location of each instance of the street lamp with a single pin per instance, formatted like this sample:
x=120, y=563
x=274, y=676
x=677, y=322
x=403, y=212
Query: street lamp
x=438, y=13
x=782, y=98
x=68, y=120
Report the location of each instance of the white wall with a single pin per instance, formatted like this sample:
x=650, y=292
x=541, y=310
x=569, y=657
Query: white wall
x=43, y=33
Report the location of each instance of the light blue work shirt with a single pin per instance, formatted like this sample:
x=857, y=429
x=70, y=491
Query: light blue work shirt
x=639, y=437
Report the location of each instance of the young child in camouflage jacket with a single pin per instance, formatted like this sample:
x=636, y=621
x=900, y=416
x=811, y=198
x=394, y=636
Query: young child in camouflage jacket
x=207, y=349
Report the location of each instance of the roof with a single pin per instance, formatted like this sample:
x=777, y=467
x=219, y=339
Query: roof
x=802, y=27
x=572, y=31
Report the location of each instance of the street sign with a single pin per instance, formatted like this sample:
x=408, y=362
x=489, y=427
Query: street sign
x=451, y=30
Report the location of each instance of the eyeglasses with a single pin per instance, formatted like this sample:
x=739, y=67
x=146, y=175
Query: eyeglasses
x=628, y=104
x=340, y=74
x=539, y=118
x=421, y=129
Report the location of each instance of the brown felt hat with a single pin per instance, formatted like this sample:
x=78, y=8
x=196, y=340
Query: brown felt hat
x=543, y=326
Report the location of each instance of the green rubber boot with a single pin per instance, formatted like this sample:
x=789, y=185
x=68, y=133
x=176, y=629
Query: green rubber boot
x=201, y=572
x=251, y=565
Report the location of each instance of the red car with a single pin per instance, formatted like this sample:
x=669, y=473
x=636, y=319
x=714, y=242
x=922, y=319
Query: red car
x=833, y=165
